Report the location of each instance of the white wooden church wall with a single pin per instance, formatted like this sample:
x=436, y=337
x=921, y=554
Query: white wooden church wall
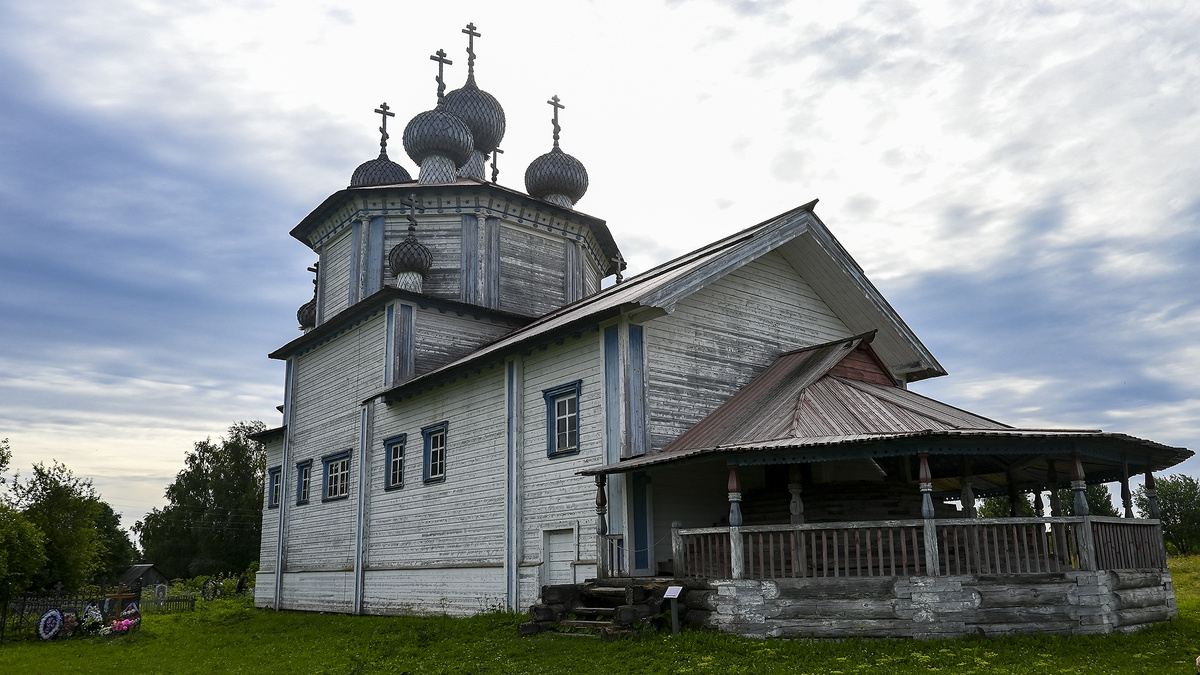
x=264, y=581
x=330, y=381
x=721, y=337
x=442, y=234
x=554, y=498
x=438, y=547
x=443, y=336
x=336, y=258
x=532, y=271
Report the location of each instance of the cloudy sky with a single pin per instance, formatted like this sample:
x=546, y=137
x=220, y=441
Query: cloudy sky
x=1020, y=179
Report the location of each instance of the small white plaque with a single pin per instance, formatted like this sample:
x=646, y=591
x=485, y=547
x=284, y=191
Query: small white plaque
x=673, y=592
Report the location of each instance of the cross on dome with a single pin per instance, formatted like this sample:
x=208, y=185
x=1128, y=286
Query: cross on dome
x=385, y=113
x=471, y=35
x=495, y=171
x=413, y=203
x=557, y=106
x=440, y=57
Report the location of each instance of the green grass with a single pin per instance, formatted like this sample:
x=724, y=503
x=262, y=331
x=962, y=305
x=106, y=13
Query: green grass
x=231, y=636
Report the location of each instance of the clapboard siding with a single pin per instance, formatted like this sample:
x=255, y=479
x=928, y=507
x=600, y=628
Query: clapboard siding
x=455, y=591
x=553, y=495
x=532, y=271
x=461, y=519
x=441, y=337
x=335, y=275
x=330, y=382
x=721, y=337
x=319, y=591
x=270, y=521
x=443, y=235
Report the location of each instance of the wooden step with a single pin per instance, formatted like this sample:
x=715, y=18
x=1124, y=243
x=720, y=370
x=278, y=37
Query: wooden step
x=594, y=611
x=580, y=623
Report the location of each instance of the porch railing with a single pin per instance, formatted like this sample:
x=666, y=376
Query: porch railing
x=918, y=547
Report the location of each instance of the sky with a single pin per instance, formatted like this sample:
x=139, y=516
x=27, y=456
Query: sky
x=1021, y=180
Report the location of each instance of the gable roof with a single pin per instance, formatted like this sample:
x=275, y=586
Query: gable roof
x=807, y=407
x=663, y=286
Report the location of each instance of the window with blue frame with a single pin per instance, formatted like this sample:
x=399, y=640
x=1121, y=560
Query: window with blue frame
x=303, y=478
x=274, y=486
x=393, y=462
x=435, y=452
x=562, y=419
x=337, y=476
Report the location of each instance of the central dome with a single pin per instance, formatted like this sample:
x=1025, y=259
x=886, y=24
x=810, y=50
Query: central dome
x=481, y=112
x=438, y=132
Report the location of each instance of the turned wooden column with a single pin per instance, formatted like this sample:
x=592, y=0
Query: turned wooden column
x=601, y=527
x=736, y=553
x=1152, y=496
x=795, y=487
x=1084, y=535
x=678, y=552
x=967, y=496
x=1126, y=495
x=931, y=546
x=1052, y=478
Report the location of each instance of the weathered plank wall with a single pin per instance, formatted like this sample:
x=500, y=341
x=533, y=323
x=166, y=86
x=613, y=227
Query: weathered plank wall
x=443, y=336
x=532, y=269
x=1069, y=603
x=442, y=234
x=336, y=258
x=722, y=336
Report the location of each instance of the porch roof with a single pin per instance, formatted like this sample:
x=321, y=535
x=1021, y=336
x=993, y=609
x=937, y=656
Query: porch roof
x=836, y=401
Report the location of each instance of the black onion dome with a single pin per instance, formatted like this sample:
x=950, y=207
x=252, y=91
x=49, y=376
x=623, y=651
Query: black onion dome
x=481, y=112
x=410, y=255
x=437, y=132
x=556, y=172
x=307, y=314
x=379, y=171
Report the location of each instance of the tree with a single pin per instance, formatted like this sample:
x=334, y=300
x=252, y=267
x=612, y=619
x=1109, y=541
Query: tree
x=1098, y=498
x=22, y=551
x=119, y=551
x=1179, y=510
x=64, y=508
x=213, y=521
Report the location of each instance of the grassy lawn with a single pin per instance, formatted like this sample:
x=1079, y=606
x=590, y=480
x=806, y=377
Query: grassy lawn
x=230, y=636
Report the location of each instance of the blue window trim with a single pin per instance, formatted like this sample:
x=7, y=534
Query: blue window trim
x=551, y=418
x=400, y=440
x=426, y=436
x=273, y=490
x=303, y=491
x=326, y=461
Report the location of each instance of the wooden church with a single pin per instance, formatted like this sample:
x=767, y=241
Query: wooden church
x=482, y=410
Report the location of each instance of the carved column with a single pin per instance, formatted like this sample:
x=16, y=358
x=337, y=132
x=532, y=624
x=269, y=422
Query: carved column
x=967, y=497
x=794, y=487
x=736, y=560
x=1052, y=478
x=1039, y=506
x=678, y=553
x=1152, y=496
x=1013, y=494
x=601, y=527
x=931, y=546
x=1087, y=541
x=1126, y=495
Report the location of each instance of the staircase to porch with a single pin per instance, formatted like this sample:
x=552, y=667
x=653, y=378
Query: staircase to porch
x=605, y=608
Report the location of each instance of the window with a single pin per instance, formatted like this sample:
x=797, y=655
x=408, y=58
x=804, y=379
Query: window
x=393, y=462
x=303, y=474
x=274, y=483
x=337, y=476
x=562, y=419
x=435, y=452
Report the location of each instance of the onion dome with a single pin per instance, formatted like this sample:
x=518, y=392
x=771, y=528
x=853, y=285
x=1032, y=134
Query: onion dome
x=481, y=112
x=437, y=140
x=410, y=255
x=557, y=178
x=380, y=171
x=307, y=314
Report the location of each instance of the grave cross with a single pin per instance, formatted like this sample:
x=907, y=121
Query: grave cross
x=440, y=57
x=557, y=106
x=384, y=112
x=471, y=35
x=495, y=171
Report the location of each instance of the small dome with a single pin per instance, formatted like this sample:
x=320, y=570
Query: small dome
x=556, y=173
x=438, y=132
x=379, y=171
x=481, y=112
x=410, y=255
x=307, y=314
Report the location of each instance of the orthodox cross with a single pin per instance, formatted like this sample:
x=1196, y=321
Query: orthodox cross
x=557, y=106
x=495, y=171
x=471, y=35
x=619, y=262
x=413, y=203
x=383, y=111
x=440, y=57
x=316, y=266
